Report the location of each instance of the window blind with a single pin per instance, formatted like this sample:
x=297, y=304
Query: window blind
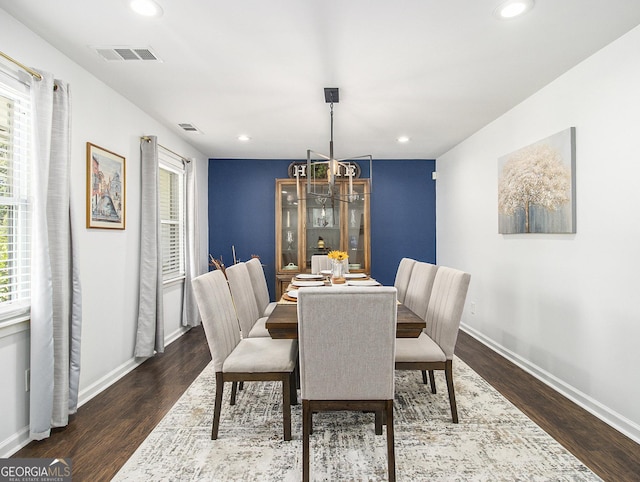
x=15, y=208
x=172, y=204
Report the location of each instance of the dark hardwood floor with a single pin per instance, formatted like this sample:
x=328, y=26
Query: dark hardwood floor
x=107, y=430
x=607, y=452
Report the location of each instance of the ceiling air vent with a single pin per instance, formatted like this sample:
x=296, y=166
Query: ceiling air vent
x=126, y=53
x=190, y=128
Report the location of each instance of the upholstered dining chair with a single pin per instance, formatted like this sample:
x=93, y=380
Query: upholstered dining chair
x=403, y=274
x=252, y=322
x=260, y=289
x=433, y=349
x=236, y=359
x=347, y=339
x=319, y=262
x=417, y=297
x=419, y=287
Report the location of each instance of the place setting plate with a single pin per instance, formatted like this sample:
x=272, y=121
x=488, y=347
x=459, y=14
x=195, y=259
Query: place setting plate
x=363, y=282
x=309, y=276
x=291, y=295
x=301, y=283
x=355, y=276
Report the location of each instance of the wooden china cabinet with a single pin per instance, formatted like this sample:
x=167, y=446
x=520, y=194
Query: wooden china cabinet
x=310, y=225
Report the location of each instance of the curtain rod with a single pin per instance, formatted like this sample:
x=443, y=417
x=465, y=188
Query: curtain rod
x=184, y=159
x=22, y=66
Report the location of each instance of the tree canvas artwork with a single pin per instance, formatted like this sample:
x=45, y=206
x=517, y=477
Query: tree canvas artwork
x=536, y=187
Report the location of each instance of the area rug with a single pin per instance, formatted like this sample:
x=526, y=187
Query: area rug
x=494, y=441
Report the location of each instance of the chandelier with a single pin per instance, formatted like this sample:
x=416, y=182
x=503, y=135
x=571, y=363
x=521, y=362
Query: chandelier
x=324, y=171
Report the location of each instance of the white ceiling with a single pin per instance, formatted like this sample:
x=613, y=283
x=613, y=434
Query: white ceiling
x=433, y=70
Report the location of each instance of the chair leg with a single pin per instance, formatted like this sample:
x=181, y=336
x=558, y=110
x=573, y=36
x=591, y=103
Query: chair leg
x=293, y=389
x=379, y=422
x=241, y=386
x=432, y=381
x=306, y=432
x=218, y=405
x=452, y=396
x=424, y=376
x=286, y=406
x=234, y=391
x=391, y=454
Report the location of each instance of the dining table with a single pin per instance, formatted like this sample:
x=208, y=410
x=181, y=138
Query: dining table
x=283, y=322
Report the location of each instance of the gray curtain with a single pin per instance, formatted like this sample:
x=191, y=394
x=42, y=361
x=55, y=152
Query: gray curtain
x=56, y=310
x=190, y=313
x=150, y=334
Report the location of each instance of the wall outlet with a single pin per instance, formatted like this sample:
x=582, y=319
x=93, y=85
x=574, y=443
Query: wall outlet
x=473, y=307
x=27, y=379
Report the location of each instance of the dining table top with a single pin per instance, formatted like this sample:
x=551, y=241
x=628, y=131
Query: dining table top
x=283, y=322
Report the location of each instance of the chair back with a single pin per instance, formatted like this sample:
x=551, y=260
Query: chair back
x=259, y=284
x=319, y=262
x=445, y=307
x=218, y=315
x=243, y=296
x=347, y=340
x=420, y=287
x=403, y=274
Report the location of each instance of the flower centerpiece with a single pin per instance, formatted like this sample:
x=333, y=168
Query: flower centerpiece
x=338, y=262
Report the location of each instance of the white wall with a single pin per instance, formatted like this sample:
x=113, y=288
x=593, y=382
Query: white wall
x=108, y=258
x=565, y=307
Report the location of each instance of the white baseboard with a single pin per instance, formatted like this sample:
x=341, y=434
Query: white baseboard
x=604, y=413
x=11, y=445
x=106, y=381
x=20, y=439
x=116, y=374
x=175, y=335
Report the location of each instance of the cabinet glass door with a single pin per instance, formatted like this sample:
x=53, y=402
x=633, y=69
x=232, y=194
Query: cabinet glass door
x=322, y=225
x=356, y=241
x=288, y=227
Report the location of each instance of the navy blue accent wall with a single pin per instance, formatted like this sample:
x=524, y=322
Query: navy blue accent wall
x=403, y=215
x=242, y=212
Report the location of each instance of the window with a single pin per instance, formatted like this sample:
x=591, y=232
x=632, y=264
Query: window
x=15, y=238
x=172, y=204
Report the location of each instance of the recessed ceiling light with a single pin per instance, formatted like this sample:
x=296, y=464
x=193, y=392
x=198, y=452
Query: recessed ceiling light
x=244, y=138
x=402, y=139
x=147, y=8
x=513, y=8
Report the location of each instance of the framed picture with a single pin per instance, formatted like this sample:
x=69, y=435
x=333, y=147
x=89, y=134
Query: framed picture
x=105, y=188
x=537, y=187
